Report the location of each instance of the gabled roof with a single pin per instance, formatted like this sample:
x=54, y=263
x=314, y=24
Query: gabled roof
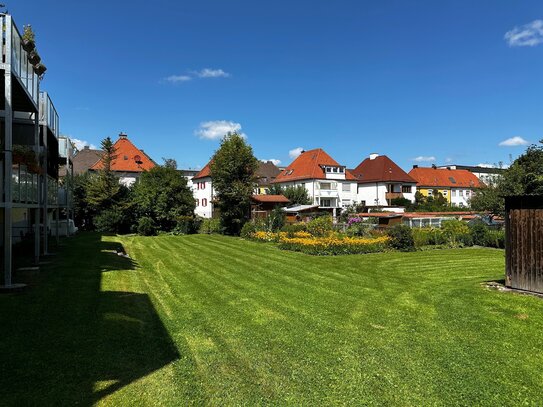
x=380, y=169
x=85, y=159
x=204, y=172
x=127, y=158
x=270, y=198
x=438, y=177
x=266, y=172
x=309, y=165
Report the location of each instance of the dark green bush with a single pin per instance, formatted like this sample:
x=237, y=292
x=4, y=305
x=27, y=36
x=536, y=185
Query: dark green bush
x=209, y=226
x=479, y=233
x=187, y=225
x=248, y=229
x=146, y=226
x=114, y=220
x=496, y=238
x=401, y=238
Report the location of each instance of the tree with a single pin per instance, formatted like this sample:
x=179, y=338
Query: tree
x=162, y=195
x=170, y=163
x=233, y=169
x=523, y=177
x=103, y=187
x=297, y=195
x=275, y=189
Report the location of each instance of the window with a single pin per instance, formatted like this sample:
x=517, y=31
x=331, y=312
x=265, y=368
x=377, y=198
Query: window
x=346, y=187
x=453, y=193
x=335, y=169
x=444, y=193
x=326, y=185
x=430, y=192
x=345, y=202
x=326, y=203
x=204, y=202
x=342, y=170
x=406, y=189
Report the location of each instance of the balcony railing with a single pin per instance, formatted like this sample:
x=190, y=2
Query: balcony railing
x=65, y=149
x=48, y=113
x=393, y=195
x=13, y=53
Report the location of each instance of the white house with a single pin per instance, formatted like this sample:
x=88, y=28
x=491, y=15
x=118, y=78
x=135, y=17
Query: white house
x=329, y=184
x=202, y=189
x=380, y=180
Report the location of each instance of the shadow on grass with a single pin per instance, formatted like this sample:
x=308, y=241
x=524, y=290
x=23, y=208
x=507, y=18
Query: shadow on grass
x=65, y=342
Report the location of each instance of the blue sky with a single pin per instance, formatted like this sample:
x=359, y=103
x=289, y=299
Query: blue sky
x=420, y=81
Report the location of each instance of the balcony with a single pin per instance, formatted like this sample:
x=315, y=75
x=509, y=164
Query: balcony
x=65, y=149
x=15, y=58
x=48, y=114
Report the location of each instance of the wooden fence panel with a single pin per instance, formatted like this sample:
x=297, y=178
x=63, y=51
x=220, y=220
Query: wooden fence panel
x=524, y=243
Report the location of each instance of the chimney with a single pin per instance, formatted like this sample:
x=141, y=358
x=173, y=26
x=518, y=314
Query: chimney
x=123, y=135
x=86, y=147
x=373, y=156
x=415, y=166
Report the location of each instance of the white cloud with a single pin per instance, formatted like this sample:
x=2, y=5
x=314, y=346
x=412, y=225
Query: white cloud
x=486, y=165
x=448, y=160
x=513, y=142
x=178, y=78
x=423, y=158
x=212, y=73
x=295, y=152
x=216, y=129
x=528, y=35
x=80, y=144
x=275, y=161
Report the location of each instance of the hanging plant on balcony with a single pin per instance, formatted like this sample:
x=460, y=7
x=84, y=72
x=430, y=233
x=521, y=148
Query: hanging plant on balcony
x=24, y=155
x=40, y=69
x=28, y=39
x=34, y=57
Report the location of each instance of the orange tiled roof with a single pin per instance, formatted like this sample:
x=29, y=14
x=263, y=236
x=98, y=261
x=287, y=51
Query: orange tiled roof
x=309, y=165
x=442, y=177
x=204, y=172
x=270, y=198
x=127, y=158
x=380, y=169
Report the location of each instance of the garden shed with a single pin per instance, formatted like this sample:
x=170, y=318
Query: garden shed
x=524, y=242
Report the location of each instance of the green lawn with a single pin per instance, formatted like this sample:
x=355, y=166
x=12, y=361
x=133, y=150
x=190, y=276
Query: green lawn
x=221, y=321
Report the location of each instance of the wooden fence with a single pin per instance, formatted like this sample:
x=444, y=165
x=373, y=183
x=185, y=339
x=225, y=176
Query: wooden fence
x=524, y=243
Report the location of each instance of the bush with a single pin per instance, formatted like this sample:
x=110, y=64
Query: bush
x=209, y=226
x=333, y=244
x=456, y=233
x=320, y=226
x=479, y=233
x=358, y=227
x=496, y=238
x=293, y=228
x=401, y=238
x=113, y=220
x=187, y=225
x=146, y=226
x=248, y=230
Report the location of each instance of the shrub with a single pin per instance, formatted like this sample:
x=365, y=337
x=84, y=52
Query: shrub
x=456, y=233
x=479, y=233
x=401, y=238
x=248, y=230
x=496, y=238
x=320, y=226
x=358, y=227
x=209, y=226
x=333, y=244
x=187, y=225
x=291, y=229
x=146, y=226
x=113, y=220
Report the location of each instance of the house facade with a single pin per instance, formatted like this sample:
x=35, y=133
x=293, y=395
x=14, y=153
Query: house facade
x=380, y=180
x=265, y=174
x=202, y=189
x=129, y=161
x=456, y=186
x=485, y=174
x=329, y=184
x=29, y=156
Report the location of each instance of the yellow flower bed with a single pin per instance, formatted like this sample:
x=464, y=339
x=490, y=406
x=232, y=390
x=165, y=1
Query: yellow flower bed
x=334, y=243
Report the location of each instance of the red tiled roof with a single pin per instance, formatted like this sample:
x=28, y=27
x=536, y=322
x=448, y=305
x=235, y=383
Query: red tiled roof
x=442, y=177
x=204, y=172
x=270, y=198
x=308, y=165
x=380, y=169
x=127, y=158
